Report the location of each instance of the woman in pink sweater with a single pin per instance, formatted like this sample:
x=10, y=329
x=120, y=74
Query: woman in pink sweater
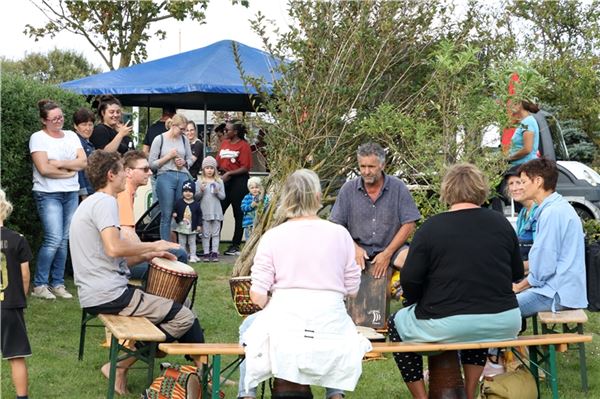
x=303, y=334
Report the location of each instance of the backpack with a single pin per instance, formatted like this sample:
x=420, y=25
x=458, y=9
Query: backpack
x=592, y=266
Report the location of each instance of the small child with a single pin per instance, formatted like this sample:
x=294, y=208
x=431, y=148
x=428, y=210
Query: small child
x=250, y=203
x=188, y=215
x=210, y=191
x=14, y=258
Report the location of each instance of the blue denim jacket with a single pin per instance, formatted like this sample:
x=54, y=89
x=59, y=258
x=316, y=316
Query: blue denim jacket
x=557, y=257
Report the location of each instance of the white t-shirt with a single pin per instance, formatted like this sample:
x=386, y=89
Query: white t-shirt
x=60, y=149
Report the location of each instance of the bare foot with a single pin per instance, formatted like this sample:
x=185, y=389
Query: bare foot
x=120, y=379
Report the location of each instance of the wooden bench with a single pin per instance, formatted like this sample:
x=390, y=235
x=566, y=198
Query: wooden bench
x=137, y=329
x=553, y=342
x=550, y=322
x=86, y=318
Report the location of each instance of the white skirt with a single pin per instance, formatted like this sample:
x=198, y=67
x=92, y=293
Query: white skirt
x=305, y=336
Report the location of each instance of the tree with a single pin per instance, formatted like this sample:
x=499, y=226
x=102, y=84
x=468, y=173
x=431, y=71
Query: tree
x=114, y=28
x=562, y=42
x=20, y=118
x=55, y=67
x=377, y=71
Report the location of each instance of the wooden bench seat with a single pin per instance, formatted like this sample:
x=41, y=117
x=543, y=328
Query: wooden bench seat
x=563, y=316
x=124, y=328
x=554, y=343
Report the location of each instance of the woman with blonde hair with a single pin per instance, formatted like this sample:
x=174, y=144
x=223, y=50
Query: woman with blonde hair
x=457, y=280
x=170, y=157
x=304, y=327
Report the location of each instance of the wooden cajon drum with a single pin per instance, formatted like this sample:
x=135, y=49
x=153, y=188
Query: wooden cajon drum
x=371, y=307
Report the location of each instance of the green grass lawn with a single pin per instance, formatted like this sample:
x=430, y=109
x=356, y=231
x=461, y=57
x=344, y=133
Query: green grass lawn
x=55, y=372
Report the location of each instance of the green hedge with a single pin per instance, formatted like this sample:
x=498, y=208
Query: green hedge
x=20, y=118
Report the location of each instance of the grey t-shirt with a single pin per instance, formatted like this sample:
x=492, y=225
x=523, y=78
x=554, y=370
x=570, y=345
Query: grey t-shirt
x=161, y=145
x=99, y=277
x=373, y=225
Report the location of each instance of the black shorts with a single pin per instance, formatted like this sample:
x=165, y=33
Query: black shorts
x=15, y=343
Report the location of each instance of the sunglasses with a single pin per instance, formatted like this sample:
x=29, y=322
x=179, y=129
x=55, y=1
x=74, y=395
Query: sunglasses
x=146, y=169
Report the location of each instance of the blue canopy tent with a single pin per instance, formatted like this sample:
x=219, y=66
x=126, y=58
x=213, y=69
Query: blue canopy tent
x=207, y=78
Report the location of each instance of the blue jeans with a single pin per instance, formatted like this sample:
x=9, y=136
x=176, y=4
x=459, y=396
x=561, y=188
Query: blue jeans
x=55, y=211
x=530, y=303
x=168, y=190
x=251, y=393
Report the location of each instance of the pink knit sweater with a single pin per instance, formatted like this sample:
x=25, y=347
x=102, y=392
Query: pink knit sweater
x=311, y=254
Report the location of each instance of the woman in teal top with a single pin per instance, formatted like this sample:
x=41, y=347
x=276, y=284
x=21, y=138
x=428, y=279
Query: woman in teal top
x=526, y=223
x=525, y=141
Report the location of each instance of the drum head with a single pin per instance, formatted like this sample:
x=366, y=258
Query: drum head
x=173, y=266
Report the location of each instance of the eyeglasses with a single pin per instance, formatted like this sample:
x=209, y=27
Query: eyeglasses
x=146, y=169
x=56, y=119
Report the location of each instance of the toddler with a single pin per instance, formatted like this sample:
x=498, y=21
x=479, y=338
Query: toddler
x=14, y=258
x=188, y=215
x=210, y=191
x=250, y=202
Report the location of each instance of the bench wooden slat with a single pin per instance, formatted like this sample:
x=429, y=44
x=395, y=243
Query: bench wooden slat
x=136, y=328
x=563, y=316
x=202, y=349
x=387, y=347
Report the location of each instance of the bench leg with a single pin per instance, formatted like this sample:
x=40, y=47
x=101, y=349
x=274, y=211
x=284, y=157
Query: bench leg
x=82, y=335
x=151, y=357
x=216, y=376
x=582, y=362
x=85, y=318
x=553, y=371
x=112, y=375
x=533, y=366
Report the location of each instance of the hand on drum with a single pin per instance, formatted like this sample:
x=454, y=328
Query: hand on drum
x=380, y=264
x=360, y=256
x=163, y=245
x=160, y=254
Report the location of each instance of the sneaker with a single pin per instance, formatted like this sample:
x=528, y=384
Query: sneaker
x=42, y=292
x=206, y=258
x=232, y=251
x=61, y=292
x=214, y=257
x=193, y=259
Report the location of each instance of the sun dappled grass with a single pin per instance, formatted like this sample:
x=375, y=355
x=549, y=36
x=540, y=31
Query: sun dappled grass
x=55, y=371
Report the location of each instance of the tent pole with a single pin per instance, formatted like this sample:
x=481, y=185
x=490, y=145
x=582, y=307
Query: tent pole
x=204, y=132
x=147, y=118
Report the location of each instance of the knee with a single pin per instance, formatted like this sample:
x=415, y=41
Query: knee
x=55, y=239
x=184, y=318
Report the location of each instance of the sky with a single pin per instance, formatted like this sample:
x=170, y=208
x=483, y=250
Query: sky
x=223, y=21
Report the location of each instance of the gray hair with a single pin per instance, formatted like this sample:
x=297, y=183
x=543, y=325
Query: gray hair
x=301, y=195
x=370, y=148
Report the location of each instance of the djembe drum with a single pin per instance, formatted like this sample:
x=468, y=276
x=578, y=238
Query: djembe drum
x=170, y=279
x=240, y=293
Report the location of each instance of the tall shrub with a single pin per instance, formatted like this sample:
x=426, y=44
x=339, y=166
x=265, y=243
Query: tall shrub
x=20, y=118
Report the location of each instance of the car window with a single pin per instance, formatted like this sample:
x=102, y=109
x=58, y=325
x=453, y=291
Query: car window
x=560, y=149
